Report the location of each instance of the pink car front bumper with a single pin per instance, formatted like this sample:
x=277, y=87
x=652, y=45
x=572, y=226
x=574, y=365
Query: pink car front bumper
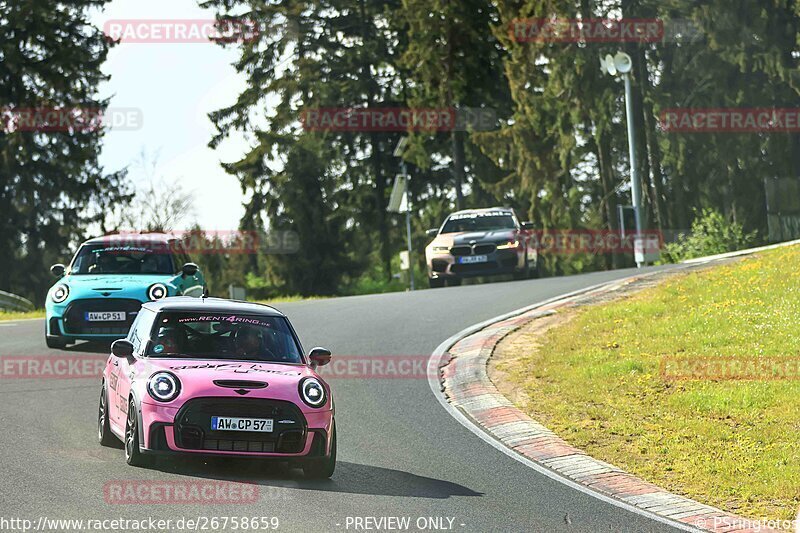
x=171, y=430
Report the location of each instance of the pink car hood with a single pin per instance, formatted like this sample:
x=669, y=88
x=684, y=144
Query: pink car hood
x=197, y=379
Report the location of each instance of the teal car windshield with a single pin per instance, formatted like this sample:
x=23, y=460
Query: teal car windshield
x=110, y=259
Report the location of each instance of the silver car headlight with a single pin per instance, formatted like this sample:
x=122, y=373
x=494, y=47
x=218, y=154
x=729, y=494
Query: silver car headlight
x=60, y=293
x=157, y=291
x=312, y=392
x=441, y=249
x=507, y=245
x=164, y=386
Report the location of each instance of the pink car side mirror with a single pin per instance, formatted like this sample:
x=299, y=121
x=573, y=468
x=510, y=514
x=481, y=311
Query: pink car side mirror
x=319, y=356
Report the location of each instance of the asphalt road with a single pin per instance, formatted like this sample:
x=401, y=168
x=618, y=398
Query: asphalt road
x=400, y=453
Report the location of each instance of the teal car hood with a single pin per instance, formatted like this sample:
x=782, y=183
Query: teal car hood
x=128, y=285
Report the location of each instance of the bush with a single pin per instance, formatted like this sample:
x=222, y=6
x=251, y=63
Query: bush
x=711, y=234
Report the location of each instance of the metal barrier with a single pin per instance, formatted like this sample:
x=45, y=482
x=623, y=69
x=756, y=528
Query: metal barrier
x=12, y=302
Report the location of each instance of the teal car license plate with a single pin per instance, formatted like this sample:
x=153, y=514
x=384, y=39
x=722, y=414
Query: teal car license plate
x=105, y=316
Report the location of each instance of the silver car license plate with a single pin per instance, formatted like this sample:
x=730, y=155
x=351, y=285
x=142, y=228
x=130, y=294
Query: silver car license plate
x=468, y=259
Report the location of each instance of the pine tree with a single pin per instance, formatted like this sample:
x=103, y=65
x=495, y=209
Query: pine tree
x=51, y=186
x=454, y=62
x=318, y=55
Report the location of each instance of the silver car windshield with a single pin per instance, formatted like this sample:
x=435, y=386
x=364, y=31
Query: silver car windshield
x=478, y=222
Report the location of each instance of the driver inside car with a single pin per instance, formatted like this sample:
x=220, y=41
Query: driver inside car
x=104, y=264
x=166, y=341
x=248, y=342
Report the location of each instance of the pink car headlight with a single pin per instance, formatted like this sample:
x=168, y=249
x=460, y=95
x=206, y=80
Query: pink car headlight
x=312, y=392
x=163, y=386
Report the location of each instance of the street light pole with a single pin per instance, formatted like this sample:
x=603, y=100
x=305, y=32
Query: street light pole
x=622, y=64
x=408, y=224
x=636, y=189
x=396, y=201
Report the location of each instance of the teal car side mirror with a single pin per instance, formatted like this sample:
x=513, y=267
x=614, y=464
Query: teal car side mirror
x=190, y=269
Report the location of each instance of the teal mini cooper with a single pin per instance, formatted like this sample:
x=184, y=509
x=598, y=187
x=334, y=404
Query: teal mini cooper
x=97, y=297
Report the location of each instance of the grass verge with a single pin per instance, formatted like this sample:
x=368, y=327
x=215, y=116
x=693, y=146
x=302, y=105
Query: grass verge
x=289, y=299
x=597, y=381
x=15, y=315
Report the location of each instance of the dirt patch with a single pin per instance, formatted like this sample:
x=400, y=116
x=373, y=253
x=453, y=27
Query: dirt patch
x=516, y=346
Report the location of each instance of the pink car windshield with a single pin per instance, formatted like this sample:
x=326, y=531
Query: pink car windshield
x=224, y=336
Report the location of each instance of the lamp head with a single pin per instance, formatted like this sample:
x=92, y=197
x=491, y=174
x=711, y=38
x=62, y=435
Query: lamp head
x=622, y=63
x=607, y=65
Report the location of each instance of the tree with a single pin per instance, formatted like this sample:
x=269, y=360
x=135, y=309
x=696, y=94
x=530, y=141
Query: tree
x=454, y=62
x=159, y=207
x=317, y=55
x=742, y=59
x=560, y=155
x=51, y=186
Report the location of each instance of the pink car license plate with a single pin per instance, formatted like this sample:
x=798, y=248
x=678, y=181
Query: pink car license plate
x=227, y=423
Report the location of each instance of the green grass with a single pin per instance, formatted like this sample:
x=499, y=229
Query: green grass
x=596, y=382
x=288, y=299
x=15, y=315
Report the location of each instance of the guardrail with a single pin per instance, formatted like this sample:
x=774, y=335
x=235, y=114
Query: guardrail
x=12, y=302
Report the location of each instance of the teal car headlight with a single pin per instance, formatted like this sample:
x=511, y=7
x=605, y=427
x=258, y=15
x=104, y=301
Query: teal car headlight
x=157, y=291
x=60, y=293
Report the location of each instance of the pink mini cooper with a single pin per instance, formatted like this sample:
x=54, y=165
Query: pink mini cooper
x=216, y=377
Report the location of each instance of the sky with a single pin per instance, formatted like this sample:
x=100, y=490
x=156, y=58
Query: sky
x=175, y=85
